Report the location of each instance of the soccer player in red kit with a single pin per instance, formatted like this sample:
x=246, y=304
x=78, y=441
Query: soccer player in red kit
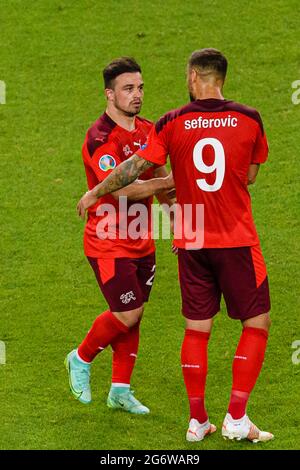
x=216, y=147
x=124, y=267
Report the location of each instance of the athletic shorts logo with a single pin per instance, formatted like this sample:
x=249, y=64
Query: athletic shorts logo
x=126, y=298
x=107, y=162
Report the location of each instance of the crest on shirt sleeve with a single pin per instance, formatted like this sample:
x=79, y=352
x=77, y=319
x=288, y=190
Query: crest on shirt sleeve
x=107, y=162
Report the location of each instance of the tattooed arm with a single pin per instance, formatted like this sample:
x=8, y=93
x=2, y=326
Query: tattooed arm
x=121, y=176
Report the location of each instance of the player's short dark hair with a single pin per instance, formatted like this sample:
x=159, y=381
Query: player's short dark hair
x=209, y=60
x=117, y=67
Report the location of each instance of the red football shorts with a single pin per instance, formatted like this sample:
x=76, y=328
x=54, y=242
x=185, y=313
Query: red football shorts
x=125, y=282
x=237, y=273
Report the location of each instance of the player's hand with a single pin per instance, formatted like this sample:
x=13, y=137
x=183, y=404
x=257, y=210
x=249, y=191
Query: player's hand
x=85, y=202
x=170, y=186
x=172, y=225
x=172, y=194
x=169, y=181
x=174, y=249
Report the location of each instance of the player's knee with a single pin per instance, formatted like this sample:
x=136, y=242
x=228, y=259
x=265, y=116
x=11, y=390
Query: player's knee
x=268, y=322
x=131, y=317
x=138, y=314
x=261, y=321
x=266, y=325
x=134, y=317
x=199, y=325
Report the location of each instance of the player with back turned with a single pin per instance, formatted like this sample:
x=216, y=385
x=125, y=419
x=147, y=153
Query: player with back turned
x=216, y=147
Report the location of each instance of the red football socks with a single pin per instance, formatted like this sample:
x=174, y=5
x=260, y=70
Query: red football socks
x=125, y=348
x=247, y=364
x=104, y=330
x=194, y=369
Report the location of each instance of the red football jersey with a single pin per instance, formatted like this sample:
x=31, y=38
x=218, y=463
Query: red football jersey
x=106, y=145
x=211, y=144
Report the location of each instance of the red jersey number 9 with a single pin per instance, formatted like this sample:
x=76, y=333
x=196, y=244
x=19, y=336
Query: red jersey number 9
x=218, y=164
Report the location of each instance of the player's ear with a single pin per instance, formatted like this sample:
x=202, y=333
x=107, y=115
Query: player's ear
x=193, y=75
x=109, y=94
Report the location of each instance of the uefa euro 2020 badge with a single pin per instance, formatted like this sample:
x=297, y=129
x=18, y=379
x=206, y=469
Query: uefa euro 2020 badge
x=107, y=162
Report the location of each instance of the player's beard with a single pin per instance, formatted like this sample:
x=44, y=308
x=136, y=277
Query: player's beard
x=128, y=112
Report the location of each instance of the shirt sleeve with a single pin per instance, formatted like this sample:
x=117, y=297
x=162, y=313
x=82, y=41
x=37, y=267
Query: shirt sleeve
x=104, y=161
x=261, y=149
x=155, y=150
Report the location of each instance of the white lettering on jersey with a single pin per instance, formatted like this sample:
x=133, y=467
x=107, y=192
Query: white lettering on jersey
x=201, y=123
x=218, y=165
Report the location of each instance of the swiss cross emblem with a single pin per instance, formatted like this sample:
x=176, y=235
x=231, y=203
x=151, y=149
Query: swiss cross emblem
x=126, y=298
x=127, y=151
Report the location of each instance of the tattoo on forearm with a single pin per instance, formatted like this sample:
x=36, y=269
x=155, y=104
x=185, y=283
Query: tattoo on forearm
x=123, y=175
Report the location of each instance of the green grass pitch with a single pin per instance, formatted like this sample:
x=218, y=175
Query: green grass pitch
x=52, y=54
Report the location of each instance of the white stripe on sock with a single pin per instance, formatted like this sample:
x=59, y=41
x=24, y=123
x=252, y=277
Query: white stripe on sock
x=79, y=358
x=116, y=384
